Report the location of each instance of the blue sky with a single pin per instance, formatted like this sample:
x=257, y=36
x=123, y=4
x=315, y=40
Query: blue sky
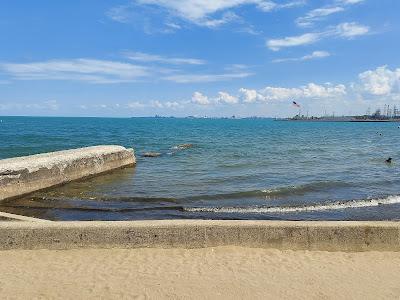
x=216, y=58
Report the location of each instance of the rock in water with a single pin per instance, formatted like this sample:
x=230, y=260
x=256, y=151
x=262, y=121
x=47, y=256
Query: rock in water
x=151, y=154
x=184, y=146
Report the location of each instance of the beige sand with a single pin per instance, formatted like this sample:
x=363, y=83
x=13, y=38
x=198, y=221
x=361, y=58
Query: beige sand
x=223, y=272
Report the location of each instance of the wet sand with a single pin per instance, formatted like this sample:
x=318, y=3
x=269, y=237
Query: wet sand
x=208, y=273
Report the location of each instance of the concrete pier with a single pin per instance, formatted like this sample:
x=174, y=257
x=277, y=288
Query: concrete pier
x=22, y=175
x=292, y=235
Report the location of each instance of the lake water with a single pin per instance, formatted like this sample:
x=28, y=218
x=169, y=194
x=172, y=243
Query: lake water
x=236, y=169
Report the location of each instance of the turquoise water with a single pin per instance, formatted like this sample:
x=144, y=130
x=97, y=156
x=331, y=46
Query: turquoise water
x=237, y=169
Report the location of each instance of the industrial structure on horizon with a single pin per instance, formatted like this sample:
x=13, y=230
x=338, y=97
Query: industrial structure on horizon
x=388, y=114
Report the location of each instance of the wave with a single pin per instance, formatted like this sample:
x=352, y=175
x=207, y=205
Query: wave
x=105, y=199
x=295, y=209
x=235, y=195
x=266, y=193
x=280, y=191
x=95, y=209
x=304, y=188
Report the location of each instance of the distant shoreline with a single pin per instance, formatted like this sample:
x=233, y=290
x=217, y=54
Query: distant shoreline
x=339, y=120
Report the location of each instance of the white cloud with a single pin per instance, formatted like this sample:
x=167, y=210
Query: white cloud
x=90, y=70
x=119, y=13
x=268, y=6
x=52, y=105
x=135, y=105
x=311, y=91
x=200, y=99
x=251, y=96
x=195, y=78
x=350, y=30
x=145, y=57
x=381, y=81
x=157, y=104
x=226, y=18
x=342, y=30
x=199, y=12
x=350, y=1
x=313, y=55
x=291, y=41
x=321, y=13
x=107, y=72
x=173, y=25
x=316, y=54
x=224, y=97
x=317, y=14
x=173, y=104
x=280, y=93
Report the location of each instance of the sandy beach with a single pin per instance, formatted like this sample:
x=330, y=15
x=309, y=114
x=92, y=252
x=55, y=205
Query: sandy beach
x=208, y=273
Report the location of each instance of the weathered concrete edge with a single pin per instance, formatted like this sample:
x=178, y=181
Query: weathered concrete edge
x=21, y=176
x=293, y=235
x=21, y=218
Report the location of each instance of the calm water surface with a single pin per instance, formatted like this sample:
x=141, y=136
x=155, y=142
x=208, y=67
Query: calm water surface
x=237, y=169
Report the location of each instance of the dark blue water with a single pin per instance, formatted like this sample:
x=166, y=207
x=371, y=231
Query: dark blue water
x=236, y=169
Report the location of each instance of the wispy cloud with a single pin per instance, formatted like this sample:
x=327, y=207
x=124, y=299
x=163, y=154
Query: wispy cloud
x=146, y=57
x=89, y=70
x=198, y=78
x=109, y=72
x=350, y=30
x=343, y=30
x=313, y=55
x=317, y=14
x=350, y=1
x=202, y=13
x=52, y=105
x=292, y=41
x=321, y=13
x=119, y=14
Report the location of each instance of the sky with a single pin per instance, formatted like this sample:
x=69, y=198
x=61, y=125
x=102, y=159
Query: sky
x=124, y=58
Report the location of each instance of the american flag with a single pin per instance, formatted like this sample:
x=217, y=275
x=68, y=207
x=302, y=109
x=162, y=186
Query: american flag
x=295, y=104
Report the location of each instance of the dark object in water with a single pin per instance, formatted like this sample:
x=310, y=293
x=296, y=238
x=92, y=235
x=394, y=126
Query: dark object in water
x=389, y=160
x=151, y=154
x=184, y=146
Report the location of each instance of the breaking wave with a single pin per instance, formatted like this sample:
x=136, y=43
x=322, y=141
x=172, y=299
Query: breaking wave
x=275, y=192
x=294, y=209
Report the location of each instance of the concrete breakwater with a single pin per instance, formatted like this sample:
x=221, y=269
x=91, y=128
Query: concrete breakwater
x=23, y=175
x=293, y=235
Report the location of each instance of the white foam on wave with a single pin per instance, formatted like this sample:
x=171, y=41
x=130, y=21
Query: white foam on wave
x=293, y=209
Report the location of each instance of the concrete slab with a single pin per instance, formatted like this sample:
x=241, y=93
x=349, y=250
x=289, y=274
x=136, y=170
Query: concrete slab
x=22, y=175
